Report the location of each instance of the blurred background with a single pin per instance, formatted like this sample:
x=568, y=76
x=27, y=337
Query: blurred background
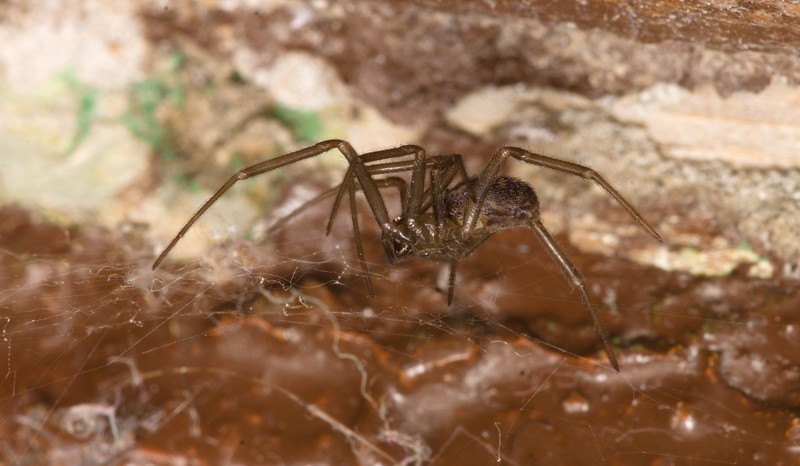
x=118, y=119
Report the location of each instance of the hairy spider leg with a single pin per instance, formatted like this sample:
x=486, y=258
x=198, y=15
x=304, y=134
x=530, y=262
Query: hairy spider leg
x=368, y=185
x=359, y=246
x=344, y=186
x=577, y=281
x=417, y=166
x=435, y=163
x=443, y=170
x=451, y=282
x=348, y=184
x=374, y=156
x=493, y=167
x=386, y=182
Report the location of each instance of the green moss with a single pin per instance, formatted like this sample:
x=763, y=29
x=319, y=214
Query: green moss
x=236, y=162
x=88, y=98
x=141, y=118
x=306, y=125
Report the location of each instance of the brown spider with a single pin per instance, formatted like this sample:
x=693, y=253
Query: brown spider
x=450, y=218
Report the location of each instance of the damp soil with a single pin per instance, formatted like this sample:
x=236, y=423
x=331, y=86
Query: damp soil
x=256, y=359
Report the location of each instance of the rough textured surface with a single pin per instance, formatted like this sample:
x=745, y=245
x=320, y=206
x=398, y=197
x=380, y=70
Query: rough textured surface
x=172, y=367
x=724, y=108
x=389, y=52
x=728, y=25
x=248, y=347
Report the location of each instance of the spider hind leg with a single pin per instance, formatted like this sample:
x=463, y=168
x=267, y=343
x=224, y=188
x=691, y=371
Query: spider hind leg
x=577, y=281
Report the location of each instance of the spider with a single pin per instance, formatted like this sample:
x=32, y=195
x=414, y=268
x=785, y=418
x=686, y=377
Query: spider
x=448, y=219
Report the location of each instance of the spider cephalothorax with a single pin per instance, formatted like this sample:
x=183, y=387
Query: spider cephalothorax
x=445, y=215
x=509, y=203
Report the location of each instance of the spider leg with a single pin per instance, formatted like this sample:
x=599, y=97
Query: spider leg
x=414, y=189
x=577, y=281
x=444, y=169
x=360, y=170
x=365, y=158
x=451, y=282
x=364, y=177
x=450, y=165
x=338, y=201
x=356, y=232
x=493, y=167
x=351, y=187
x=450, y=162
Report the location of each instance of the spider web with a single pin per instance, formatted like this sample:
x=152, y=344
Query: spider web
x=271, y=352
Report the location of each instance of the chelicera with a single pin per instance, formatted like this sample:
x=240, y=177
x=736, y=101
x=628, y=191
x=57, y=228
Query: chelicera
x=445, y=219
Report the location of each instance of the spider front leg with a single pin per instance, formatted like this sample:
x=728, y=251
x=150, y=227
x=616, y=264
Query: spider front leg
x=443, y=170
x=359, y=171
x=577, y=281
x=393, y=237
x=244, y=174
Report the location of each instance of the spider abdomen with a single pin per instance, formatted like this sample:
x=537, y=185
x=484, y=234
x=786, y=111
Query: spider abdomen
x=510, y=202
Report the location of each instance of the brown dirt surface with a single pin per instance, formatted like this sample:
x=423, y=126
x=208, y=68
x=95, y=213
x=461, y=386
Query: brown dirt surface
x=187, y=368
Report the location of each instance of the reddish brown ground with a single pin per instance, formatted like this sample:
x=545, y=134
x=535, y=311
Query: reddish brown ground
x=214, y=371
x=104, y=362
